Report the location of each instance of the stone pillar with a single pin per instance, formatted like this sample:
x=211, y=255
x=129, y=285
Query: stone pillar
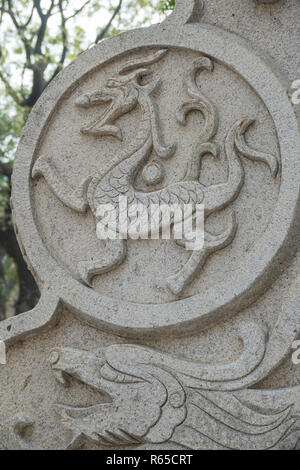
x=192, y=339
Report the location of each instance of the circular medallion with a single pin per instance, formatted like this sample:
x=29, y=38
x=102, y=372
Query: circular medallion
x=200, y=103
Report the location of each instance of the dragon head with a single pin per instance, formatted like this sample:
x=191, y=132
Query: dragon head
x=156, y=397
x=152, y=396
x=121, y=90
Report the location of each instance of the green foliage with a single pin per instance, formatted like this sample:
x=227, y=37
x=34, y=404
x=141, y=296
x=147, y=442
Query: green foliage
x=166, y=5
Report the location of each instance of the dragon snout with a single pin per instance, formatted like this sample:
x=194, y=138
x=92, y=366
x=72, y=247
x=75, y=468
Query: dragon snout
x=93, y=98
x=58, y=363
x=83, y=101
x=84, y=366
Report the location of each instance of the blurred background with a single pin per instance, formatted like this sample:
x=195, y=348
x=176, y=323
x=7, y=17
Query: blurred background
x=38, y=38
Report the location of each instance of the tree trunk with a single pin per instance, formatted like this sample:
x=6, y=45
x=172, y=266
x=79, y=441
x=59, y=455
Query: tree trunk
x=28, y=290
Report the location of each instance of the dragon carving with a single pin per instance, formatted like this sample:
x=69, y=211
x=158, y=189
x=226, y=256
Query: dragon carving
x=157, y=398
x=134, y=86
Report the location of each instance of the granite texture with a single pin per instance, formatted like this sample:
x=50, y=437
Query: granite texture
x=141, y=343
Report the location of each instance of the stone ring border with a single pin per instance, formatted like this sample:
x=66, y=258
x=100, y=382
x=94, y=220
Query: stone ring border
x=262, y=265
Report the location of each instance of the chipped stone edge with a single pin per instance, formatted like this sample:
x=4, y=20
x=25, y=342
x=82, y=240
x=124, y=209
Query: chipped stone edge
x=40, y=319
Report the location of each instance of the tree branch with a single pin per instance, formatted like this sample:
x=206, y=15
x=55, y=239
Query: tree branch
x=10, y=89
x=12, y=15
x=43, y=27
x=39, y=66
x=107, y=27
x=78, y=11
x=37, y=4
x=40, y=36
x=37, y=85
x=29, y=18
x=20, y=28
x=64, y=41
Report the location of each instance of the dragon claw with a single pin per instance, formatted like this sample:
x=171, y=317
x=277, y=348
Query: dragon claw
x=212, y=243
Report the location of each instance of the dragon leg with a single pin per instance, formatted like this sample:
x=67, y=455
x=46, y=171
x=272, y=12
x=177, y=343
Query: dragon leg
x=194, y=165
x=72, y=198
x=115, y=253
x=212, y=243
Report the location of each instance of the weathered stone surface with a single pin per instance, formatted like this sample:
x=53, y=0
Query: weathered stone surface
x=140, y=342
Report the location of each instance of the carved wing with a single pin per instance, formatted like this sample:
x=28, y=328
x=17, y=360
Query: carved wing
x=229, y=423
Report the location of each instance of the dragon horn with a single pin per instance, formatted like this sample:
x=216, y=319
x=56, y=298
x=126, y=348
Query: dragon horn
x=250, y=153
x=138, y=63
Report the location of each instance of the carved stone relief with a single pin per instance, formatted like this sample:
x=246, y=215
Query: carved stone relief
x=116, y=179
x=193, y=115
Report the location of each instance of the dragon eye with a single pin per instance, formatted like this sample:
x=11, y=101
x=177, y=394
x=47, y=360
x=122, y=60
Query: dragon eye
x=143, y=78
